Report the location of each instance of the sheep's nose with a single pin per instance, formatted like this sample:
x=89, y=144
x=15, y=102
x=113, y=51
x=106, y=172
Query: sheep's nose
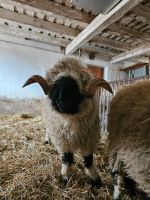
x=65, y=95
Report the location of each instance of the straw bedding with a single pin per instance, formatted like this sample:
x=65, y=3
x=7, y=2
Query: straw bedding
x=29, y=169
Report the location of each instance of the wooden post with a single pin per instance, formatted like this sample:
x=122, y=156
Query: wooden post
x=149, y=63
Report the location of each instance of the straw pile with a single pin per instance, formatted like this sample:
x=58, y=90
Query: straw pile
x=30, y=170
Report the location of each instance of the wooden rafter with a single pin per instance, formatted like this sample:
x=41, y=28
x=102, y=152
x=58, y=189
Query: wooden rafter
x=26, y=42
x=33, y=35
x=50, y=23
x=100, y=23
x=28, y=20
x=44, y=38
x=142, y=11
x=41, y=14
x=44, y=46
x=135, y=66
x=59, y=29
x=124, y=30
x=59, y=9
x=144, y=49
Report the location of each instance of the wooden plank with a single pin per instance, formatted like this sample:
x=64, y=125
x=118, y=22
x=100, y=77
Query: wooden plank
x=37, y=36
x=100, y=23
x=124, y=30
x=145, y=28
x=102, y=55
x=126, y=20
x=59, y=9
x=49, y=15
x=58, y=29
x=135, y=66
x=140, y=59
x=28, y=20
x=39, y=45
x=30, y=43
x=142, y=11
x=108, y=42
x=96, y=48
x=144, y=49
x=149, y=63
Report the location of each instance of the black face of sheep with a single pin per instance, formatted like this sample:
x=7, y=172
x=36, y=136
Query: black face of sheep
x=65, y=95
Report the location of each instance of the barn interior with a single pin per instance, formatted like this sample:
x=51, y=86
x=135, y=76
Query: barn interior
x=111, y=37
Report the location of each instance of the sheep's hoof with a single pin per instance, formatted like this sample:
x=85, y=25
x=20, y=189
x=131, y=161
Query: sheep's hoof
x=63, y=179
x=96, y=182
x=46, y=142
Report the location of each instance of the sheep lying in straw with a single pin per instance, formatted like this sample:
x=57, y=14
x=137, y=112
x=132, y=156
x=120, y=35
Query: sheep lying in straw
x=129, y=148
x=71, y=114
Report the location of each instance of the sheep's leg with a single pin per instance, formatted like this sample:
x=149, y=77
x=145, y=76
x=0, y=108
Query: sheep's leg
x=67, y=161
x=47, y=139
x=117, y=182
x=91, y=170
x=117, y=176
x=132, y=188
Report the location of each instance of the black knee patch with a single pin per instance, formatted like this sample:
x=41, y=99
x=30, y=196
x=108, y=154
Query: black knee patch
x=115, y=175
x=132, y=188
x=88, y=161
x=67, y=158
x=96, y=182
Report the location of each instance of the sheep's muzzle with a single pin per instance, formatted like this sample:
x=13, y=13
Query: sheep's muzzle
x=65, y=95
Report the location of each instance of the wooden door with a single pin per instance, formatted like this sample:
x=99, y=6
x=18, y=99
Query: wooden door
x=97, y=71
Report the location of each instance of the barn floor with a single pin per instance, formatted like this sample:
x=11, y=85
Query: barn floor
x=29, y=169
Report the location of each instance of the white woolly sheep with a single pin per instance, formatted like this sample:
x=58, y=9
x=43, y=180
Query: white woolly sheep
x=129, y=140
x=71, y=114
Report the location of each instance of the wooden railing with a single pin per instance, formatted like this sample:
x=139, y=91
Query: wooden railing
x=105, y=97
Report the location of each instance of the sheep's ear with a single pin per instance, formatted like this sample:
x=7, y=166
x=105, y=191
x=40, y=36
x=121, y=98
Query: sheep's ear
x=92, y=87
x=40, y=80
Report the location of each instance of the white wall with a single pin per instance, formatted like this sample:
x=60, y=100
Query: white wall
x=17, y=63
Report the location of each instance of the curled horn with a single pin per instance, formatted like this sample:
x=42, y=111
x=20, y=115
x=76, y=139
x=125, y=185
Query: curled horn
x=91, y=89
x=40, y=80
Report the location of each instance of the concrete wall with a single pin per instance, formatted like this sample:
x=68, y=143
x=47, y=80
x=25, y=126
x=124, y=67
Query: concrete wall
x=17, y=63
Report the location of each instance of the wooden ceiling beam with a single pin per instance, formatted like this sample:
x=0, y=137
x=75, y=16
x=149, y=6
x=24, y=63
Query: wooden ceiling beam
x=142, y=10
x=135, y=66
x=59, y=9
x=41, y=14
x=59, y=29
x=28, y=20
x=26, y=42
x=100, y=23
x=140, y=59
x=37, y=36
x=144, y=49
x=124, y=30
x=108, y=42
x=43, y=38
x=44, y=46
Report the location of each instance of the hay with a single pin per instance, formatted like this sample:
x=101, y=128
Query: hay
x=30, y=170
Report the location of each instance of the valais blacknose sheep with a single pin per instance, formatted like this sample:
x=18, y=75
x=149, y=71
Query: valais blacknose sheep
x=129, y=140
x=71, y=113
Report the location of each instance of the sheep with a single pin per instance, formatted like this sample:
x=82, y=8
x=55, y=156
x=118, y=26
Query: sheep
x=129, y=140
x=70, y=113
